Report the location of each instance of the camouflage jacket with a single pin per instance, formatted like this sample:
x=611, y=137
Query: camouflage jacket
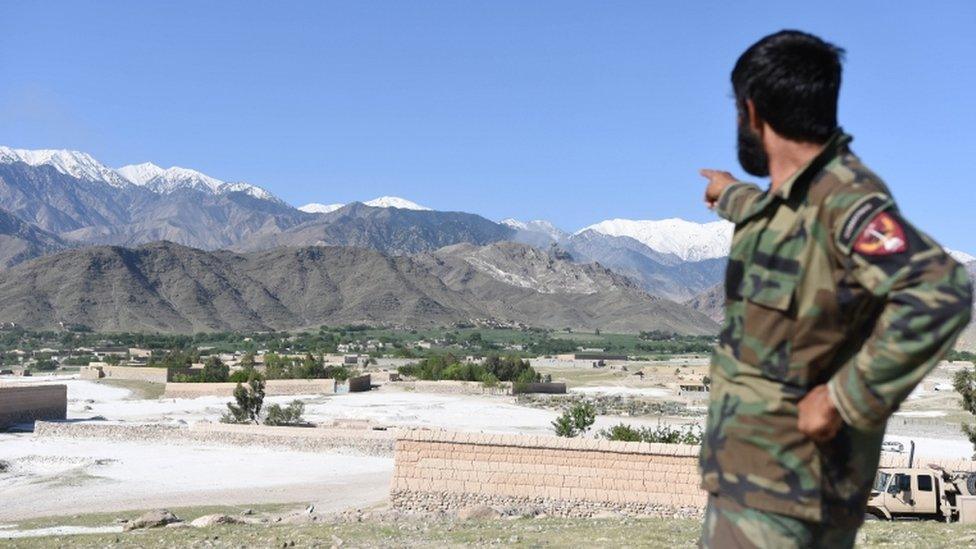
x=826, y=283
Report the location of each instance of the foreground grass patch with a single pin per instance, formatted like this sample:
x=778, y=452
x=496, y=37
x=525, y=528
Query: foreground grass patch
x=523, y=532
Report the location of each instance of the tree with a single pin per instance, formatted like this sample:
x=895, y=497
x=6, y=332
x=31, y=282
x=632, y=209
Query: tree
x=215, y=371
x=964, y=383
x=575, y=420
x=249, y=399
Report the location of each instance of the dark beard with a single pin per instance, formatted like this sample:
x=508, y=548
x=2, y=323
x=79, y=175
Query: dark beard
x=752, y=155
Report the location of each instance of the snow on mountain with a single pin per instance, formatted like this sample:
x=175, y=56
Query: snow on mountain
x=315, y=207
x=140, y=174
x=74, y=163
x=169, y=180
x=536, y=226
x=688, y=240
x=395, y=202
x=961, y=257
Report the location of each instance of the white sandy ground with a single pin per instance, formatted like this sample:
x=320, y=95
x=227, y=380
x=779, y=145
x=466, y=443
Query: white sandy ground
x=54, y=476
x=51, y=476
x=57, y=531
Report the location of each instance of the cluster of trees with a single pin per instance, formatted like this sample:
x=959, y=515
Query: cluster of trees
x=307, y=367
x=249, y=400
x=491, y=370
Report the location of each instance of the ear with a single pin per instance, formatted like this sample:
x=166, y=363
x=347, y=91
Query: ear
x=754, y=121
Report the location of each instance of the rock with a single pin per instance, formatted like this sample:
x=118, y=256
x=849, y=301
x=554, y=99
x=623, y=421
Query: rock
x=336, y=541
x=152, y=519
x=477, y=512
x=247, y=512
x=298, y=518
x=513, y=539
x=216, y=518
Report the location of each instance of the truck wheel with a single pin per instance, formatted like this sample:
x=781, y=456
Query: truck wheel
x=971, y=484
x=870, y=516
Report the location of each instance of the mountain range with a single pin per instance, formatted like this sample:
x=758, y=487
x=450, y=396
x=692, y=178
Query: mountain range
x=165, y=287
x=57, y=200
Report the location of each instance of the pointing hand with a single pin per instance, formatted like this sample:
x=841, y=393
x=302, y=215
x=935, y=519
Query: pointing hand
x=717, y=182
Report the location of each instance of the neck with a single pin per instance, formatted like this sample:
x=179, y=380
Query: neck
x=788, y=157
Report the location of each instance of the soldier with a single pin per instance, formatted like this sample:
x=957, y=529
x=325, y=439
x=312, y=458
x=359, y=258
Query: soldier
x=836, y=308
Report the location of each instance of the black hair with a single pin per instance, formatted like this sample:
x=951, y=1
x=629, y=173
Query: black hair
x=793, y=79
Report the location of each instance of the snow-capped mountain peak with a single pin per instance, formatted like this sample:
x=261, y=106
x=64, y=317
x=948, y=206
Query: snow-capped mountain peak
x=170, y=180
x=536, y=226
x=686, y=239
x=140, y=174
x=74, y=163
x=961, y=257
x=395, y=202
x=315, y=207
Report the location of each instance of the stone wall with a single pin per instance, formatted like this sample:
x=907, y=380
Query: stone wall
x=359, y=384
x=272, y=387
x=305, y=439
x=138, y=373
x=478, y=388
x=27, y=403
x=441, y=471
x=949, y=464
x=458, y=387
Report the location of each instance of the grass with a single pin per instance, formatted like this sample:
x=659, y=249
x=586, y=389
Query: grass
x=140, y=389
x=416, y=532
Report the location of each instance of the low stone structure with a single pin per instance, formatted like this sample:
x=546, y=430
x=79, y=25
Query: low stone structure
x=272, y=387
x=26, y=403
x=360, y=384
x=306, y=439
x=544, y=388
x=136, y=373
x=443, y=471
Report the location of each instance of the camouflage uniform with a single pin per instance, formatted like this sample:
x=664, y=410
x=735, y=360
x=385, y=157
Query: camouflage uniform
x=826, y=283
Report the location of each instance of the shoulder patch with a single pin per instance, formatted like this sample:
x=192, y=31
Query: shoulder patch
x=883, y=235
x=858, y=216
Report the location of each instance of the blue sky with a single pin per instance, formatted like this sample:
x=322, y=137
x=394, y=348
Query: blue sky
x=569, y=111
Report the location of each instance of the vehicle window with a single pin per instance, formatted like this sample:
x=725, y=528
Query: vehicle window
x=881, y=481
x=925, y=483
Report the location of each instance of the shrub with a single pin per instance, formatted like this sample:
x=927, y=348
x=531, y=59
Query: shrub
x=289, y=415
x=691, y=434
x=575, y=420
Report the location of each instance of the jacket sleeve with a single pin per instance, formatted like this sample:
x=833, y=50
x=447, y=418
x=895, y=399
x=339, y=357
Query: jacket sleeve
x=737, y=199
x=926, y=301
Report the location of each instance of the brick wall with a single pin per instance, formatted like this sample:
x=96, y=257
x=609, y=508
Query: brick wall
x=444, y=471
x=27, y=403
x=272, y=387
x=138, y=373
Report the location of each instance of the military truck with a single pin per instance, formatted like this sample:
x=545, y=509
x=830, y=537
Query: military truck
x=916, y=493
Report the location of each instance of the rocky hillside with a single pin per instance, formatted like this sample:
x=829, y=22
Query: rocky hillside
x=391, y=230
x=21, y=241
x=171, y=288
x=710, y=302
x=519, y=282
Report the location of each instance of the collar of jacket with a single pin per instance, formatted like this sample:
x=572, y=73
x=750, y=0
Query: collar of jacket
x=832, y=149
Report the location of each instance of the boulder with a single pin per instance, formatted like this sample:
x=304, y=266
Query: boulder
x=477, y=512
x=211, y=520
x=152, y=519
